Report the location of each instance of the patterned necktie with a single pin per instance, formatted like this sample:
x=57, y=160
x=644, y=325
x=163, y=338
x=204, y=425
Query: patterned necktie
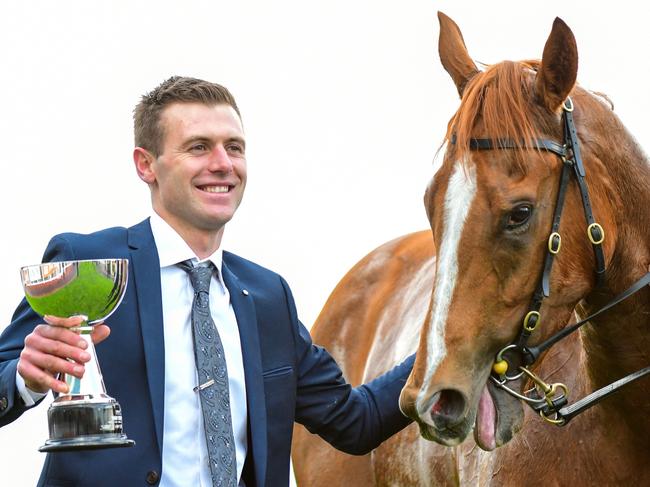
x=213, y=379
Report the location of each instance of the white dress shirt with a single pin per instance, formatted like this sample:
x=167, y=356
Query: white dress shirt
x=185, y=455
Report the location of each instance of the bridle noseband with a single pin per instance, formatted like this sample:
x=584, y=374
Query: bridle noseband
x=550, y=400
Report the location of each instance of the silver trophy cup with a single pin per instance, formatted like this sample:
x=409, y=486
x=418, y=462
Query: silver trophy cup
x=86, y=417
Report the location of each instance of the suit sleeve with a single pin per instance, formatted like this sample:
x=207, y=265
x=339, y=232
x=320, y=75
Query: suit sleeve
x=12, y=341
x=354, y=420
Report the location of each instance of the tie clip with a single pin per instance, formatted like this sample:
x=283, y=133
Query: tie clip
x=203, y=386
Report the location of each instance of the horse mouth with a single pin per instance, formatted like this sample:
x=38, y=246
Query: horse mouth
x=495, y=420
x=449, y=415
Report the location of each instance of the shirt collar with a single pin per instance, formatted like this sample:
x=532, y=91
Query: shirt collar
x=172, y=249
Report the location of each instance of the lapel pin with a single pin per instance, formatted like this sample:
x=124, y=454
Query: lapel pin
x=245, y=292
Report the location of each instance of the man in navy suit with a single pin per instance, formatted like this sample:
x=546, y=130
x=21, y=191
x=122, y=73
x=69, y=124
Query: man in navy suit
x=190, y=150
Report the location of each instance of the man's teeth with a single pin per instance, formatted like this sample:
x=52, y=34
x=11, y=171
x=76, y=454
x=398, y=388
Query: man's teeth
x=215, y=189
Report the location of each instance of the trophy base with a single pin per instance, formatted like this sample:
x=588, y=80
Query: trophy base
x=85, y=423
x=86, y=443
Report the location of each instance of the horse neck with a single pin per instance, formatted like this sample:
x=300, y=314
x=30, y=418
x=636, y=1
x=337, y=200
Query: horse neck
x=617, y=343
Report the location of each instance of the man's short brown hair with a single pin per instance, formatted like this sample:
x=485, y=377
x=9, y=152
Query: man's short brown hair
x=177, y=89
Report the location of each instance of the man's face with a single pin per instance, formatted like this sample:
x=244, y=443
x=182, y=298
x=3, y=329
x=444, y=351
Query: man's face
x=200, y=174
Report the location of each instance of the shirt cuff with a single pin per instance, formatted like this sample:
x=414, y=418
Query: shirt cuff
x=28, y=396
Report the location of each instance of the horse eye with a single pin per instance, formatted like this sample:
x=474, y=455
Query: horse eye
x=518, y=216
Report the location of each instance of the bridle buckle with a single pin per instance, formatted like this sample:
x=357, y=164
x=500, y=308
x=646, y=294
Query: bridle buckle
x=554, y=243
x=531, y=320
x=596, y=233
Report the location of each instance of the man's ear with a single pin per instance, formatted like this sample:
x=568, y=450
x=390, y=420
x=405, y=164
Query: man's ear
x=144, y=160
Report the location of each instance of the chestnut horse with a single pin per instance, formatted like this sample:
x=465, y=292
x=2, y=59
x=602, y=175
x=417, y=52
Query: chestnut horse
x=540, y=214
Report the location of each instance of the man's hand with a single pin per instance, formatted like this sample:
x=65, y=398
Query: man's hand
x=47, y=349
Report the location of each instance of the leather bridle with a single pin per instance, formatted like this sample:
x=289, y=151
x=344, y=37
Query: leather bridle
x=550, y=400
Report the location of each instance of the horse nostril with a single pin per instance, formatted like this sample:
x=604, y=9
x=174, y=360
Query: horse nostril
x=448, y=407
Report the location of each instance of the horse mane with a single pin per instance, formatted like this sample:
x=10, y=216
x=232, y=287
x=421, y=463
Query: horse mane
x=502, y=98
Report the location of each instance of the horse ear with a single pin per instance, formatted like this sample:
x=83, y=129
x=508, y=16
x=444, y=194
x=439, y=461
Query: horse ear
x=559, y=69
x=453, y=53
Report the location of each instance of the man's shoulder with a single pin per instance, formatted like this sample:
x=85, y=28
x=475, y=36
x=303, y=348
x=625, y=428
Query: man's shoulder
x=96, y=244
x=266, y=285
x=239, y=265
x=103, y=234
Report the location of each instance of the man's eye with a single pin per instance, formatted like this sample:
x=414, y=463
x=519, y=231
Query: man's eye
x=519, y=216
x=235, y=148
x=199, y=147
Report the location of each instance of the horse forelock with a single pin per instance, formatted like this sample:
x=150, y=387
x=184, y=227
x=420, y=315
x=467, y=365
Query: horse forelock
x=500, y=103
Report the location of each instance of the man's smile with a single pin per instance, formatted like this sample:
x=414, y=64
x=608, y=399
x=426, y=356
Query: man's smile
x=215, y=189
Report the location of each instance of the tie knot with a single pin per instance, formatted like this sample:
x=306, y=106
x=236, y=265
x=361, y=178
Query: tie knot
x=200, y=274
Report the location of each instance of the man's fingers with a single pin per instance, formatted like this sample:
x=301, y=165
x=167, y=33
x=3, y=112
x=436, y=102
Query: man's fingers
x=57, y=347
x=40, y=380
x=54, y=349
x=51, y=363
x=55, y=333
x=65, y=322
x=59, y=330
x=100, y=332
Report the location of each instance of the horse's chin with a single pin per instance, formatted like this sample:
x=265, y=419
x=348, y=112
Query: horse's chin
x=445, y=433
x=499, y=416
x=447, y=437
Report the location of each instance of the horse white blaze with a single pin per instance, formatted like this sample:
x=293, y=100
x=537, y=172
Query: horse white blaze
x=458, y=200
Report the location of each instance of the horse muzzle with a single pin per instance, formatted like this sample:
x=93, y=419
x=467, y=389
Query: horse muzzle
x=449, y=415
x=442, y=417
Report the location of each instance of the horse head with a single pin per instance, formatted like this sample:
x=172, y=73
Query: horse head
x=491, y=213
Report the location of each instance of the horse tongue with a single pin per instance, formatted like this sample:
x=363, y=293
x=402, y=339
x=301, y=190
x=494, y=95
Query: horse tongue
x=486, y=421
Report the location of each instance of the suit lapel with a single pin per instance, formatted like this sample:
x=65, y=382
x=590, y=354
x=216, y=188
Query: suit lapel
x=244, y=307
x=146, y=276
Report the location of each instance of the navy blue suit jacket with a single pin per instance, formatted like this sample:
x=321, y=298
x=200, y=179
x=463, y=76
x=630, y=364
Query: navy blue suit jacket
x=287, y=377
